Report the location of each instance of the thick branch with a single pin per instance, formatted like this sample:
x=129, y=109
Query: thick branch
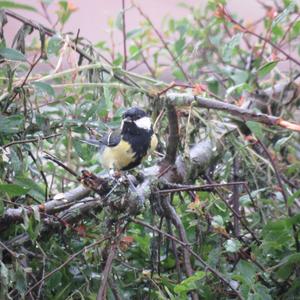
x=106, y=272
x=172, y=215
x=173, y=139
x=60, y=203
x=244, y=114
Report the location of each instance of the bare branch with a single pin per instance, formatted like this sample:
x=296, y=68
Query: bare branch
x=33, y=140
x=244, y=114
x=106, y=272
x=173, y=138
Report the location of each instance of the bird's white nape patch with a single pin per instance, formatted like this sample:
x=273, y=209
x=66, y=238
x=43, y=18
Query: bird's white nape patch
x=144, y=122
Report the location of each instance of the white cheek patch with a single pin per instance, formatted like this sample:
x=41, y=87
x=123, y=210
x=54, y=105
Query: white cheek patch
x=144, y=123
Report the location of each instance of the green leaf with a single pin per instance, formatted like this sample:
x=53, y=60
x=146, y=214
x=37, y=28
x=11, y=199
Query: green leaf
x=14, y=5
x=34, y=190
x=232, y=245
x=34, y=225
x=267, y=68
x=62, y=294
x=44, y=87
x=178, y=74
x=54, y=45
x=292, y=198
x=179, y=46
x=83, y=150
x=261, y=292
x=296, y=28
x=12, y=54
x=255, y=128
x=291, y=259
x=278, y=32
x=54, y=281
x=281, y=142
x=240, y=77
x=132, y=33
x=285, y=271
x=247, y=270
x=21, y=282
x=282, y=16
x=12, y=124
x=119, y=21
x=238, y=87
x=189, y=284
x=245, y=199
x=230, y=46
x=134, y=52
x=64, y=11
x=217, y=221
x=13, y=189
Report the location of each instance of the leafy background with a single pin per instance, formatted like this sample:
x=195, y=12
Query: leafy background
x=52, y=96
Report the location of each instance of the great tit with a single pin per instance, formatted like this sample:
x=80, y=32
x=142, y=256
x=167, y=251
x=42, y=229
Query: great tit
x=125, y=148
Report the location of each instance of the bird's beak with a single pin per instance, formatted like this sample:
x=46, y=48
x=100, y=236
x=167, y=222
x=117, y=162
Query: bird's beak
x=127, y=119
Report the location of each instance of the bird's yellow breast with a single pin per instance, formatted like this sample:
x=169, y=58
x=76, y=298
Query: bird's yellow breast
x=122, y=157
x=117, y=157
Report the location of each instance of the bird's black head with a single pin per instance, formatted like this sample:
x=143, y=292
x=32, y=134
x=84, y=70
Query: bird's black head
x=133, y=114
x=135, y=121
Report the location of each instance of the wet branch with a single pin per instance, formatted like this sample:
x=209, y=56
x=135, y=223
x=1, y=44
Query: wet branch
x=178, y=99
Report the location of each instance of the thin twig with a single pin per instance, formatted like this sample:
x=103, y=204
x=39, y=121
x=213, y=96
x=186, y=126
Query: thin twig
x=204, y=187
x=69, y=259
x=61, y=164
x=171, y=214
x=165, y=44
x=235, y=198
x=234, y=211
x=246, y=30
x=33, y=140
x=198, y=257
x=283, y=192
x=51, y=32
x=174, y=249
x=42, y=174
x=124, y=36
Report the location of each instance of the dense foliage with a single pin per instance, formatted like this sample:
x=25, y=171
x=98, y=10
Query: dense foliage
x=205, y=238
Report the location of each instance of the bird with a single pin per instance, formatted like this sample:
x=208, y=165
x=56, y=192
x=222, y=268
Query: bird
x=125, y=148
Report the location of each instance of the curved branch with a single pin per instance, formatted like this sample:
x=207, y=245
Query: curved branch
x=244, y=114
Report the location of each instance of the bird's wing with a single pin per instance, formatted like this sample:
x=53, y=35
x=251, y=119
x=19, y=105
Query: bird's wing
x=112, y=139
x=92, y=142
